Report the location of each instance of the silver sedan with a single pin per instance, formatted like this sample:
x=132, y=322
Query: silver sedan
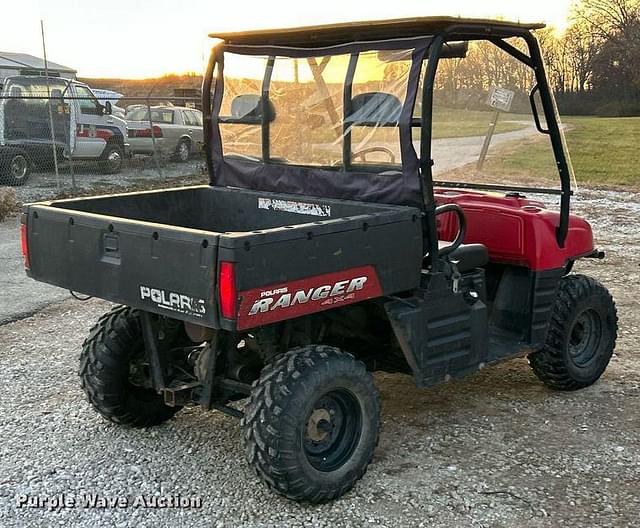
x=177, y=131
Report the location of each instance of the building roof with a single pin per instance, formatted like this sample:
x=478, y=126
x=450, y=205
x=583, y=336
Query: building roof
x=23, y=60
x=335, y=34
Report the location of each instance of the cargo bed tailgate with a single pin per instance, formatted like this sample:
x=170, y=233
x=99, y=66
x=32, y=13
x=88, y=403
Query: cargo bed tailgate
x=159, y=268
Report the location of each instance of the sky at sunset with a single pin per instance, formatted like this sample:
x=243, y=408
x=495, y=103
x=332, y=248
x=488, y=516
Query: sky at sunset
x=137, y=39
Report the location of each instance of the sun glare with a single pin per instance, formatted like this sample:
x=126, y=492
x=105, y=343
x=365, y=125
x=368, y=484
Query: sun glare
x=141, y=39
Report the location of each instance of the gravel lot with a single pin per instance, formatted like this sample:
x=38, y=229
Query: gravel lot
x=20, y=295
x=139, y=171
x=494, y=449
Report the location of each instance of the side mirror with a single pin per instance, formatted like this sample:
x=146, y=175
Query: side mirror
x=107, y=108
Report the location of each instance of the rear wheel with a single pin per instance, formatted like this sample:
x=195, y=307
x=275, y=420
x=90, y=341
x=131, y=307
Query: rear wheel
x=183, y=151
x=311, y=425
x=581, y=337
x=115, y=374
x=15, y=169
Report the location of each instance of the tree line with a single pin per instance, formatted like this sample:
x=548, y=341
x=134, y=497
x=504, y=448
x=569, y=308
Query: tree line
x=593, y=66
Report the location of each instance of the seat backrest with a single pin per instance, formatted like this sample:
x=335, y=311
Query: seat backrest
x=249, y=107
x=375, y=109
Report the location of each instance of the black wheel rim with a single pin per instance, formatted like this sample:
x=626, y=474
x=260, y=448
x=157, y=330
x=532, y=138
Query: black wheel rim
x=332, y=430
x=19, y=167
x=585, y=337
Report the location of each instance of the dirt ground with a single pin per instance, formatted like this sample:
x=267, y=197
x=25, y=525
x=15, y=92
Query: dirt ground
x=494, y=449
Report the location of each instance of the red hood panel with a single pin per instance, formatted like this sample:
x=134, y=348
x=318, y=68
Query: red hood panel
x=515, y=230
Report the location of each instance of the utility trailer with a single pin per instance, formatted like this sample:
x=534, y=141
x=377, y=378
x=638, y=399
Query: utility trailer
x=324, y=248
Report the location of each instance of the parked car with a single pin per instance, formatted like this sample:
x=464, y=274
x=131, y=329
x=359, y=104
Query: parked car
x=177, y=131
x=83, y=128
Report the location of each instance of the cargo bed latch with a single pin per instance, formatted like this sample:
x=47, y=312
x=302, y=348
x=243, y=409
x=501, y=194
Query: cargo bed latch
x=111, y=247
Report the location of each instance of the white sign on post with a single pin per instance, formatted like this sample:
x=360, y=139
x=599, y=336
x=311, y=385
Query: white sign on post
x=500, y=98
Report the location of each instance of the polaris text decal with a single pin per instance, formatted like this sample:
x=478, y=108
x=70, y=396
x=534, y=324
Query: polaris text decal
x=268, y=304
x=174, y=301
x=294, y=207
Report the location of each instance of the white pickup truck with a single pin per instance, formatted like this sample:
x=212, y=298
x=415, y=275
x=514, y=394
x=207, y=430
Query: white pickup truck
x=83, y=128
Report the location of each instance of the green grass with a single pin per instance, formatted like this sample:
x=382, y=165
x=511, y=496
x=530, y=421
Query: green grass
x=604, y=151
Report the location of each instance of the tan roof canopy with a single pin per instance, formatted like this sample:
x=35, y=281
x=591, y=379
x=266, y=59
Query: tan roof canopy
x=335, y=34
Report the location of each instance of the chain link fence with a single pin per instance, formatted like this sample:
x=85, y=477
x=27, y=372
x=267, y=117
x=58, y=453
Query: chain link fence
x=60, y=138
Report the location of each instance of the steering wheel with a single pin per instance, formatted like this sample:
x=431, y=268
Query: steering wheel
x=363, y=153
x=462, y=227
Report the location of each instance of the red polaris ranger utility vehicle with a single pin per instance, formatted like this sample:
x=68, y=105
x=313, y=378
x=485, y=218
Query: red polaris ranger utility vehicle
x=366, y=211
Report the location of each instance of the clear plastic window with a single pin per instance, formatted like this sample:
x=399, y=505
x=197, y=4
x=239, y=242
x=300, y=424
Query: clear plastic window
x=381, y=82
x=307, y=121
x=307, y=98
x=239, y=114
x=483, y=124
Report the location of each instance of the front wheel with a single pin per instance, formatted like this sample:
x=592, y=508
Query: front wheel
x=112, y=159
x=312, y=422
x=581, y=336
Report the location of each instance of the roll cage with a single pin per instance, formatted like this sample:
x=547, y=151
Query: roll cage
x=430, y=39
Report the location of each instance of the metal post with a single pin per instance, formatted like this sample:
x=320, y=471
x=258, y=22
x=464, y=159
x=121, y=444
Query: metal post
x=316, y=71
x=487, y=140
x=153, y=351
x=347, y=110
x=68, y=139
x=53, y=137
x=153, y=136
x=550, y=114
x=266, y=112
x=430, y=228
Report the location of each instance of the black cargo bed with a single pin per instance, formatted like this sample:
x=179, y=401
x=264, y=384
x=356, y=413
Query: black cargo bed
x=149, y=249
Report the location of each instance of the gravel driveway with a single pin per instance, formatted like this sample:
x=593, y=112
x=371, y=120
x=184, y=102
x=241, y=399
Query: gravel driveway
x=20, y=295
x=138, y=171
x=451, y=153
x=494, y=449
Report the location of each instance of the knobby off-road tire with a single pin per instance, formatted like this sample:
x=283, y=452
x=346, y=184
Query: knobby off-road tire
x=581, y=336
x=114, y=344
x=312, y=423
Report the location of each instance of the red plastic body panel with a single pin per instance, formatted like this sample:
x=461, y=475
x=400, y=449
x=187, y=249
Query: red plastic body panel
x=515, y=230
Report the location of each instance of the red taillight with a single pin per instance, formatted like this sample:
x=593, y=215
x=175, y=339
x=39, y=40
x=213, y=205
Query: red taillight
x=146, y=132
x=228, y=293
x=24, y=245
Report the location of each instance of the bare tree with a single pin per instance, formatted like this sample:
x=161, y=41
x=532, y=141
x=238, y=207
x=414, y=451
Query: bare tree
x=581, y=50
x=614, y=26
